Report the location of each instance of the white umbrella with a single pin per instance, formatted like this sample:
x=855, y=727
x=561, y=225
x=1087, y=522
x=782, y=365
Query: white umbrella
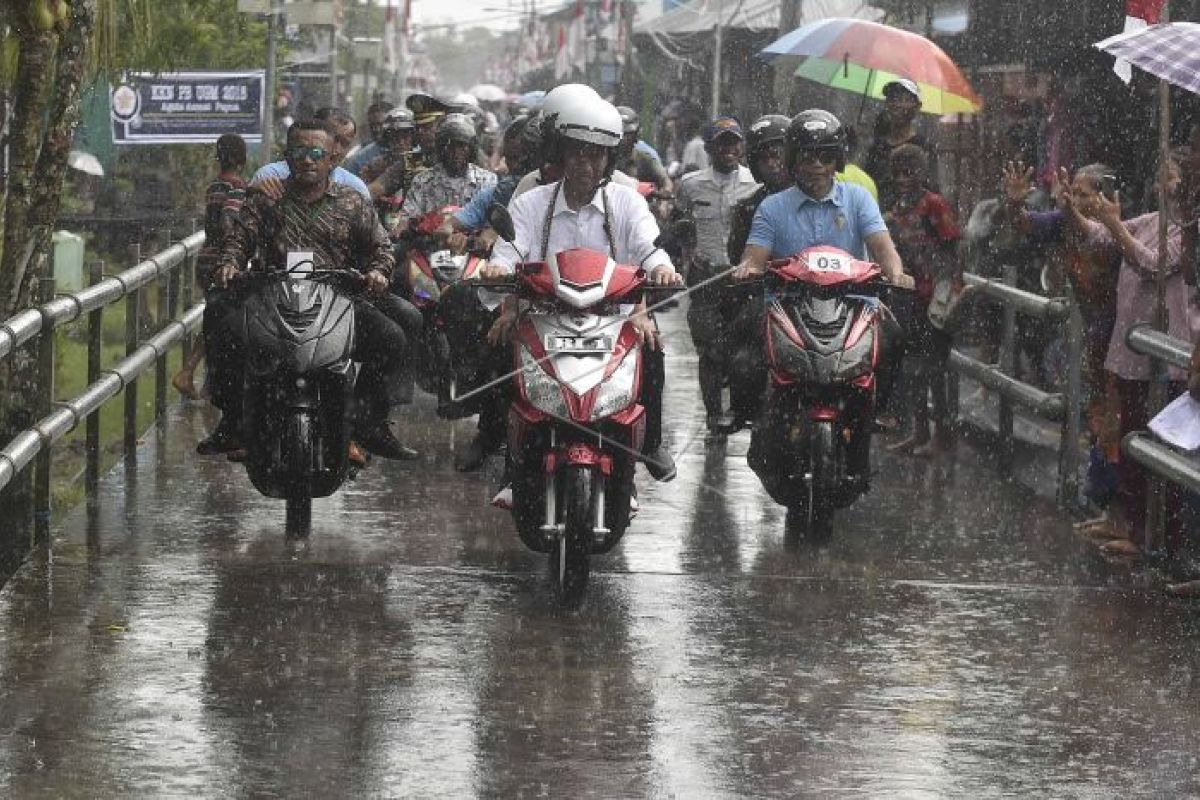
x=85, y=162
x=488, y=92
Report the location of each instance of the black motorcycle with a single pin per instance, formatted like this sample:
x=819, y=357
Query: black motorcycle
x=299, y=384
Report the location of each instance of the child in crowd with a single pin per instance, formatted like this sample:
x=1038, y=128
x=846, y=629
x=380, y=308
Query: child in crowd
x=926, y=233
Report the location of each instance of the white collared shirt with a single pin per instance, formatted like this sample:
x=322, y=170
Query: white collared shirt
x=633, y=226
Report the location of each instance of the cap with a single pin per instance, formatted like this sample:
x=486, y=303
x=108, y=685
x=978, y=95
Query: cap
x=426, y=108
x=902, y=83
x=721, y=126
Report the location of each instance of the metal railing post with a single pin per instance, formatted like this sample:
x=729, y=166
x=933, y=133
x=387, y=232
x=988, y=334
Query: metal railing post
x=1008, y=366
x=1069, y=450
x=133, y=307
x=160, y=366
x=45, y=399
x=91, y=480
x=188, y=271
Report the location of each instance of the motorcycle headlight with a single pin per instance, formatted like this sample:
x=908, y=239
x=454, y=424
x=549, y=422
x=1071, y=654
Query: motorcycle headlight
x=616, y=393
x=541, y=390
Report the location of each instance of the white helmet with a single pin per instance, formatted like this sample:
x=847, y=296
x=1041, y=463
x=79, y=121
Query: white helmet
x=567, y=94
x=595, y=121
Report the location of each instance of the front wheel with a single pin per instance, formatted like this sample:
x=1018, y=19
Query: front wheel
x=812, y=520
x=569, y=559
x=298, y=449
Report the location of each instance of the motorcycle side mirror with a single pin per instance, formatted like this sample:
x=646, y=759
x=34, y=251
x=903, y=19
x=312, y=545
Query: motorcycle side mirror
x=685, y=232
x=501, y=222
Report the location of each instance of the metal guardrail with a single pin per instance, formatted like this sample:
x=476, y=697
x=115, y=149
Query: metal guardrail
x=1064, y=407
x=1146, y=340
x=174, y=270
x=1163, y=461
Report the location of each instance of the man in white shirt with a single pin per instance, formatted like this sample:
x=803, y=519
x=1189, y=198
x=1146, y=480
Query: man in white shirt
x=585, y=209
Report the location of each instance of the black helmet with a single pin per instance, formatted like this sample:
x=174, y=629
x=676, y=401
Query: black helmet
x=455, y=128
x=763, y=131
x=398, y=119
x=815, y=129
x=766, y=129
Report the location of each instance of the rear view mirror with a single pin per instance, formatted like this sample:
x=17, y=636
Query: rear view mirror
x=501, y=222
x=685, y=232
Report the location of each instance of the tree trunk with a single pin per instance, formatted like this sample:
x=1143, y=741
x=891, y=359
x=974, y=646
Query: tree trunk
x=56, y=144
x=44, y=118
x=25, y=143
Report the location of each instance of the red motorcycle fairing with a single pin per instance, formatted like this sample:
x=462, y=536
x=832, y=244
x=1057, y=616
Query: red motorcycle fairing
x=795, y=356
x=578, y=454
x=580, y=406
x=582, y=278
x=627, y=427
x=826, y=267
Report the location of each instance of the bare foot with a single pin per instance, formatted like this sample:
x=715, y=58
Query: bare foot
x=1103, y=528
x=906, y=445
x=184, y=385
x=1121, y=547
x=1185, y=589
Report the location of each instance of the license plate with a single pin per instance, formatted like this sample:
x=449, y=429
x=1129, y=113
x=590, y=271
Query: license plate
x=578, y=344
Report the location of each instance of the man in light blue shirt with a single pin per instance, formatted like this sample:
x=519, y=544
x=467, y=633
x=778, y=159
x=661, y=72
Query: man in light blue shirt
x=278, y=170
x=791, y=220
x=341, y=129
x=822, y=211
x=819, y=210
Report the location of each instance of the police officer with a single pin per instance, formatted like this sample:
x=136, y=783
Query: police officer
x=707, y=197
x=428, y=112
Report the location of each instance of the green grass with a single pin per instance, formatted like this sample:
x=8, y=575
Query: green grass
x=70, y=379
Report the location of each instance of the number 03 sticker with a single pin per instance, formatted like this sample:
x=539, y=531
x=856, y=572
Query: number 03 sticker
x=827, y=263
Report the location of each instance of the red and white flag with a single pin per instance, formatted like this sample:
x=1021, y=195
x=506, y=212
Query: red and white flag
x=1138, y=14
x=562, y=58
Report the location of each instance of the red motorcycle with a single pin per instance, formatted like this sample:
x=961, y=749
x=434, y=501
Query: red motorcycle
x=575, y=426
x=429, y=269
x=823, y=335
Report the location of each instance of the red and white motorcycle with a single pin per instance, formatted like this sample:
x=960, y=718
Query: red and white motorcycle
x=822, y=334
x=576, y=425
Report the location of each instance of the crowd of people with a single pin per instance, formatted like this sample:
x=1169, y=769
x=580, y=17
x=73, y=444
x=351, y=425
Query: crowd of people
x=727, y=197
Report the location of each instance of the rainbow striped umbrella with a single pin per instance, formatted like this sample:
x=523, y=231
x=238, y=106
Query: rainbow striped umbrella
x=862, y=57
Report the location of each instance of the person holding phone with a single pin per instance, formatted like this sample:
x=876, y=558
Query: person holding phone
x=1137, y=241
x=1092, y=273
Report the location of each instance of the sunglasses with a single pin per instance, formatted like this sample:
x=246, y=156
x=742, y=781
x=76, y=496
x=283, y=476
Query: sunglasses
x=310, y=153
x=824, y=156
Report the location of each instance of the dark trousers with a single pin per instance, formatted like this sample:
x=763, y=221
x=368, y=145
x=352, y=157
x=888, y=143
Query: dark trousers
x=926, y=378
x=474, y=362
x=1132, y=486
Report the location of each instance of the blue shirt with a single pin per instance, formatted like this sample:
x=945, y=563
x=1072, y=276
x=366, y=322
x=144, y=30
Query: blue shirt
x=473, y=215
x=364, y=156
x=648, y=150
x=790, y=221
x=280, y=169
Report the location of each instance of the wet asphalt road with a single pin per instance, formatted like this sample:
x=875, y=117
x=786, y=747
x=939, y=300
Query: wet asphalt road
x=956, y=639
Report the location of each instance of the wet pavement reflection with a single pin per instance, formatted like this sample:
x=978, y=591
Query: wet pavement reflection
x=955, y=638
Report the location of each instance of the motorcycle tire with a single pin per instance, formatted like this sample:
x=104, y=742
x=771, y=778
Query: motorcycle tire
x=298, y=448
x=570, y=557
x=813, y=520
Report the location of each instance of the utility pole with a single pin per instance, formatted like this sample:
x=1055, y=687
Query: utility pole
x=718, y=43
x=333, y=65
x=268, y=100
